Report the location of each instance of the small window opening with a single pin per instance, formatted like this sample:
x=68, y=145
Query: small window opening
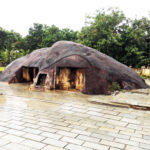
x=41, y=79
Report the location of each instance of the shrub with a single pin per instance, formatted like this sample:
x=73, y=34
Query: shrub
x=144, y=77
x=114, y=87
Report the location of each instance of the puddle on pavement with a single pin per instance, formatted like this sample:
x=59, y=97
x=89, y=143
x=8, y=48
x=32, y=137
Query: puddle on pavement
x=19, y=94
x=41, y=105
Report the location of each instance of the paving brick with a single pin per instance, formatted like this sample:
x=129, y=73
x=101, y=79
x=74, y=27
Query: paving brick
x=14, y=126
x=134, y=126
x=109, y=129
x=41, y=129
x=3, y=142
x=88, y=121
x=128, y=147
x=95, y=109
x=34, y=137
x=131, y=134
x=140, y=140
x=30, y=125
x=3, y=128
x=44, y=120
x=72, y=122
x=83, y=115
x=89, y=126
x=69, y=134
x=128, y=142
x=117, y=123
x=127, y=115
x=112, y=148
x=78, y=127
x=53, y=142
x=72, y=140
x=15, y=146
x=60, y=123
x=113, y=144
x=15, y=132
x=81, y=110
x=87, y=138
x=62, y=128
x=51, y=135
x=73, y=118
x=74, y=125
x=118, y=135
x=50, y=147
x=66, y=111
x=33, y=144
x=32, y=131
x=102, y=119
x=103, y=124
x=29, y=121
x=142, y=132
x=66, y=107
x=95, y=113
x=44, y=124
x=103, y=136
x=81, y=132
x=129, y=120
x=112, y=117
x=95, y=146
x=76, y=147
x=146, y=137
x=110, y=112
x=124, y=129
x=13, y=138
x=16, y=122
x=145, y=146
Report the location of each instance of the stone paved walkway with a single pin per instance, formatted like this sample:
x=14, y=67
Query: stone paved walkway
x=70, y=125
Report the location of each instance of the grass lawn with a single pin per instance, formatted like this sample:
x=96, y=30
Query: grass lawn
x=2, y=69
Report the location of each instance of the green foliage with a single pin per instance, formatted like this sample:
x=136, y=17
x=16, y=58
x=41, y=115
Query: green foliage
x=114, y=87
x=109, y=31
x=35, y=36
x=53, y=34
x=145, y=77
x=7, y=56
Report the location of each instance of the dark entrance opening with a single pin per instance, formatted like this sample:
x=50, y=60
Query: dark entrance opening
x=41, y=79
x=70, y=78
x=29, y=74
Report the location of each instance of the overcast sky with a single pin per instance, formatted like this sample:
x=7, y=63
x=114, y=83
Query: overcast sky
x=19, y=15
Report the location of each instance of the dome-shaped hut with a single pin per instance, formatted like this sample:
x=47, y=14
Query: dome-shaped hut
x=71, y=66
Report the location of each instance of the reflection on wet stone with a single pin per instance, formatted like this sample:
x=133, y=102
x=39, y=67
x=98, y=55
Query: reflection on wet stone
x=34, y=120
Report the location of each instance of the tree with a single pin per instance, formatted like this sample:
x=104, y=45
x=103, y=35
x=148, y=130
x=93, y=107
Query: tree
x=35, y=36
x=117, y=36
x=52, y=34
x=3, y=38
x=101, y=31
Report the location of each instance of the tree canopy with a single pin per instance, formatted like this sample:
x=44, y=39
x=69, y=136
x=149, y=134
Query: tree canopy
x=109, y=31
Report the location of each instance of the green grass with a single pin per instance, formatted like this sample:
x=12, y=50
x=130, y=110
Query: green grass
x=2, y=69
x=144, y=77
x=114, y=87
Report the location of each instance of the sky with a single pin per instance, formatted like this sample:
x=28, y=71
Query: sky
x=19, y=15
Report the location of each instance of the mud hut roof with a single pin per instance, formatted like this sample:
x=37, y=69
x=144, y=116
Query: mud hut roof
x=105, y=69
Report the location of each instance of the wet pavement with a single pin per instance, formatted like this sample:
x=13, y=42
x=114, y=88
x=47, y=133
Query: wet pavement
x=57, y=120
